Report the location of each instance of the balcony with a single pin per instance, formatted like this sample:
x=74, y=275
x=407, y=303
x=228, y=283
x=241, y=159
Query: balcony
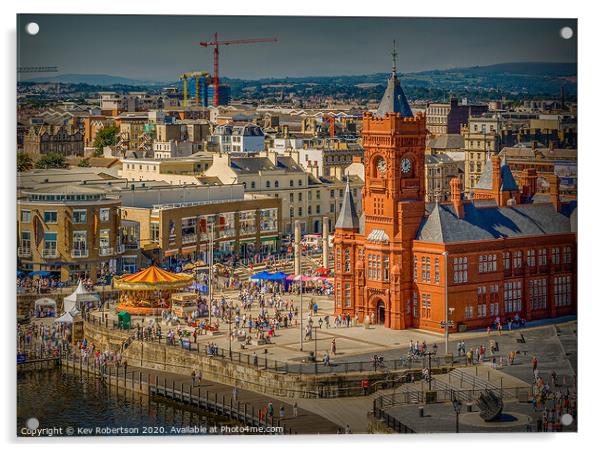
x=24, y=252
x=189, y=238
x=105, y=251
x=50, y=253
x=79, y=253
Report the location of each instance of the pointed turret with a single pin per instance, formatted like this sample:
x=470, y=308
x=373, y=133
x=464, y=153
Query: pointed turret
x=348, y=218
x=394, y=100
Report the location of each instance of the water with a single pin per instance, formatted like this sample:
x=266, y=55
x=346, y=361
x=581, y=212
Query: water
x=79, y=406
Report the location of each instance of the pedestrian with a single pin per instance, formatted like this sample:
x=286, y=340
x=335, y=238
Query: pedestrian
x=295, y=409
x=333, y=346
x=235, y=393
x=347, y=429
x=534, y=363
x=281, y=411
x=271, y=410
x=193, y=379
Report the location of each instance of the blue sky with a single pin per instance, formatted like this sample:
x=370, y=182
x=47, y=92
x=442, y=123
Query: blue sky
x=161, y=47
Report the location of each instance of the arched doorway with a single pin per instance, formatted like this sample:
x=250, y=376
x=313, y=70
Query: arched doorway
x=380, y=312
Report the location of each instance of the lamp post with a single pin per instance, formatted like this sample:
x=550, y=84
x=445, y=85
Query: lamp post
x=230, y=331
x=210, y=271
x=315, y=328
x=457, y=408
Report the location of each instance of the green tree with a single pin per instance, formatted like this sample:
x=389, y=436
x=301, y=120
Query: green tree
x=51, y=160
x=107, y=136
x=24, y=162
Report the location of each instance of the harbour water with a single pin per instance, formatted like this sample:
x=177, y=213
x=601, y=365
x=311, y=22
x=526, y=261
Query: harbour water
x=74, y=405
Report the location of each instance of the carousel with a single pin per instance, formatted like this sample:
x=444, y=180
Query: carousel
x=149, y=291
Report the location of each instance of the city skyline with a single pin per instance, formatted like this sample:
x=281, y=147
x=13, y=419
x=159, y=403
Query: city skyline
x=170, y=44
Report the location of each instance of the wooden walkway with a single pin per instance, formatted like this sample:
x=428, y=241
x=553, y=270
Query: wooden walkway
x=214, y=397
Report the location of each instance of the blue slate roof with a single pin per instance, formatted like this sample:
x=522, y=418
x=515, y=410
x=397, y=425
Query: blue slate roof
x=394, y=100
x=486, y=180
x=348, y=218
x=442, y=224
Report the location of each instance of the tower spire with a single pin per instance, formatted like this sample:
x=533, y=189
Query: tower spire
x=394, y=55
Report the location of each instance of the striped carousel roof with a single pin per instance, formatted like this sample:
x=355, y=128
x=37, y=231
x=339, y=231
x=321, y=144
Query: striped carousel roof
x=151, y=278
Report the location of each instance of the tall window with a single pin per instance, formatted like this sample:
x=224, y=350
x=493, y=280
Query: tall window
x=347, y=295
x=50, y=216
x=347, y=260
x=80, y=243
x=487, y=263
x=426, y=305
x=555, y=256
x=385, y=268
x=415, y=305
x=437, y=276
x=468, y=312
x=79, y=216
x=531, y=258
x=25, y=216
x=513, y=296
x=415, y=268
x=50, y=242
x=460, y=269
x=507, y=262
x=154, y=231
x=104, y=215
x=25, y=240
x=517, y=259
x=337, y=295
x=104, y=238
x=562, y=290
x=338, y=259
x=538, y=291
x=566, y=255
x=542, y=257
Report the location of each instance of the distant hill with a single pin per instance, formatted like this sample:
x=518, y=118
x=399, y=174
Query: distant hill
x=92, y=79
x=532, y=68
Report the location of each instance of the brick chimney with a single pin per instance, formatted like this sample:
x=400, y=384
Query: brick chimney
x=555, y=192
x=529, y=183
x=496, y=175
x=456, y=196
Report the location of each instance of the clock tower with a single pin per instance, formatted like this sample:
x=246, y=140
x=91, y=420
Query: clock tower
x=393, y=201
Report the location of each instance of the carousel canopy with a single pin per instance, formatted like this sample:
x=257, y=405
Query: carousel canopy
x=152, y=278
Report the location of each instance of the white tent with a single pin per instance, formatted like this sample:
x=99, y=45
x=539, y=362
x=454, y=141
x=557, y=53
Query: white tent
x=78, y=297
x=67, y=317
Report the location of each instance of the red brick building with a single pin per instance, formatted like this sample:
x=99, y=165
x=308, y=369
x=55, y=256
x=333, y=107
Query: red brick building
x=498, y=256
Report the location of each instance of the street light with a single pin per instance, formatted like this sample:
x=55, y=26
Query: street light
x=457, y=408
x=315, y=328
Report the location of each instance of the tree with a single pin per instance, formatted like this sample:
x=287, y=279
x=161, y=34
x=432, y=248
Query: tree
x=107, y=136
x=51, y=160
x=24, y=162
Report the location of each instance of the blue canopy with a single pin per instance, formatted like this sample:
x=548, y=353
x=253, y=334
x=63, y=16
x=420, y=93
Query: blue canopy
x=20, y=274
x=40, y=273
x=262, y=276
x=278, y=276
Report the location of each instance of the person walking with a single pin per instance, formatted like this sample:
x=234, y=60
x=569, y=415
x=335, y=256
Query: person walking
x=281, y=412
x=271, y=411
x=333, y=346
x=193, y=384
x=295, y=409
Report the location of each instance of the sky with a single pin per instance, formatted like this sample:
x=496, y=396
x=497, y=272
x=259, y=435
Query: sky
x=159, y=48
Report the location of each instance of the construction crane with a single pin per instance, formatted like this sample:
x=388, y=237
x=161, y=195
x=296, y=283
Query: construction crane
x=197, y=77
x=216, y=43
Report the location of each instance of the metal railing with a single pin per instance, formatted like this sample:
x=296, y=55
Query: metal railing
x=79, y=253
x=24, y=252
x=105, y=251
x=50, y=253
x=261, y=361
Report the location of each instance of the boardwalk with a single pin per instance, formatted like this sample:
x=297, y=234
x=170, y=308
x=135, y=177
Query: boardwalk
x=305, y=422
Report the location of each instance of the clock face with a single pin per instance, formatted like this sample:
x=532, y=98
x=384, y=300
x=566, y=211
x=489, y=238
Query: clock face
x=381, y=165
x=406, y=166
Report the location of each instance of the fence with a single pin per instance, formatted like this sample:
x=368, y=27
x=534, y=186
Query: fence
x=256, y=360
x=149, y=384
